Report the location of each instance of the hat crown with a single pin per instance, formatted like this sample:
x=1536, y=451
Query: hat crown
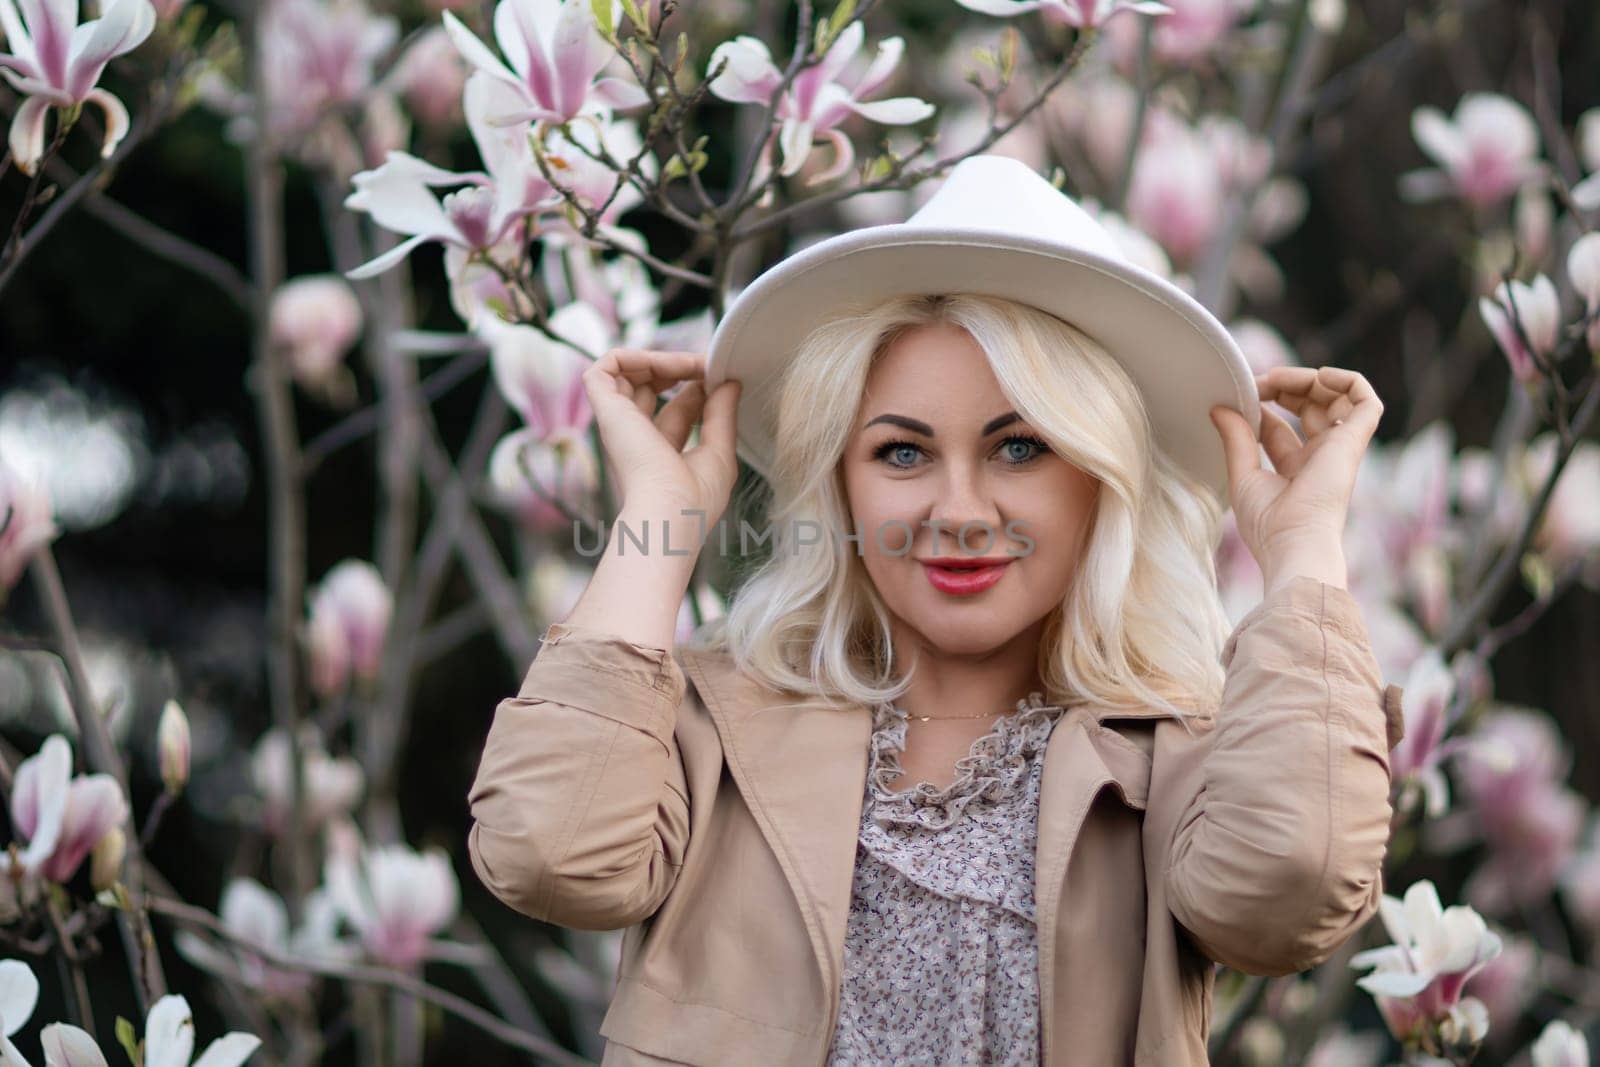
x=993, y=193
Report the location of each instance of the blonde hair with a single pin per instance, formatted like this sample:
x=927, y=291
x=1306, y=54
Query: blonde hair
x=1142, y=623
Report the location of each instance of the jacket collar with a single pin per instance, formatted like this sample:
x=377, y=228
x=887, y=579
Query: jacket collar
x=801, y=766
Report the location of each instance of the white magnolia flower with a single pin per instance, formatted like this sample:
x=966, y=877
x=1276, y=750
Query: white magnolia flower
x=54, y=62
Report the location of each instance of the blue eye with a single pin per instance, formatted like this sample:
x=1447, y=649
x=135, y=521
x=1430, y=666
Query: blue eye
x=899, y=446
x=1034, y=445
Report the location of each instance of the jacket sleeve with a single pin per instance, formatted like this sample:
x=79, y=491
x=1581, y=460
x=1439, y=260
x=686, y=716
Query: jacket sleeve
x=1278, y=857
x=580, y=804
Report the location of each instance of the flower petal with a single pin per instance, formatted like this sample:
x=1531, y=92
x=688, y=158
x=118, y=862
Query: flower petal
x=19, y=994
x=116, y=119
x=169, y=1033
x=123, y=27
x=230, y=1050
x=27, y=133
x=897, y=110
x=67, y=1046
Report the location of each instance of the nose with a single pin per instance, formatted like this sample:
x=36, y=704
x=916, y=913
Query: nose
x=964, y=499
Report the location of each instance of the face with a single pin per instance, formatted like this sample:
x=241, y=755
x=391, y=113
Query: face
x=937, y=445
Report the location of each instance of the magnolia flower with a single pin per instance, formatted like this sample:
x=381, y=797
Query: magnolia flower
x=54, y=62
x=168, y=1041
x=331, y=785
x=255, y=915
x=1586, y=194
x=1417, y=981
x=542, y=378
x=1085, y=14
x=26, y=523
x=535, y=478
x=1184, y=35
x=1508, y=982
x=1177, y=192
x=1511, y=769
x=431, y=75
x=817, y=101
x=1488, y=151
x=1569, y=530
x=475, y=218
x=1559, y=1045
x=313, y=320
x=394, y=897
x=61, y=817
x=556, y=51
x=172, y=743
x=1416, y=760
x=320, y=56
x=349, y=622
x=1583, y=270
x=1537, y=308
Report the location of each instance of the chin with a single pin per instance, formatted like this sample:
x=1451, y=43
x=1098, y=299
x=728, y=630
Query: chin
x=974, y=636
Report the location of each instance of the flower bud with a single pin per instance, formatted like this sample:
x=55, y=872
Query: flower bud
x=172, y=738
x=105, y=860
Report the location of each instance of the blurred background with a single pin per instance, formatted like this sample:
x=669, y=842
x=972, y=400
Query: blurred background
x=1343, y=183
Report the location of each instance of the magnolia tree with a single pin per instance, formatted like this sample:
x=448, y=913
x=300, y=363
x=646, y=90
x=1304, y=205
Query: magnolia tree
x=583, y=166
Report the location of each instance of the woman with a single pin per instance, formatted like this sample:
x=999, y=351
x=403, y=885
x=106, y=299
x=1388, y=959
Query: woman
x=896, y=809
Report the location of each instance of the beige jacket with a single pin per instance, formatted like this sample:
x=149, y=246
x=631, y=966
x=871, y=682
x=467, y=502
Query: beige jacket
x=717, y=822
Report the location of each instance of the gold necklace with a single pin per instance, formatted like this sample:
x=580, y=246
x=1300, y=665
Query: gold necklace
x=941, y=718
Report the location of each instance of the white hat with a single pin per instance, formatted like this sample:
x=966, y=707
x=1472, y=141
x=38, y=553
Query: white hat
x=997, y=228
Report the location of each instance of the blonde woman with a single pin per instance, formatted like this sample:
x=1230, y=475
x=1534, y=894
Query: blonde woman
x=974, y=770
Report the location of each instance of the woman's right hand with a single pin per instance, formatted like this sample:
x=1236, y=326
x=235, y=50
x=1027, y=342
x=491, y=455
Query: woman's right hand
x=645, y=448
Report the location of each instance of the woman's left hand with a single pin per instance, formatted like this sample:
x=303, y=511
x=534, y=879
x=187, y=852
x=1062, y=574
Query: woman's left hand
x=1306, y=497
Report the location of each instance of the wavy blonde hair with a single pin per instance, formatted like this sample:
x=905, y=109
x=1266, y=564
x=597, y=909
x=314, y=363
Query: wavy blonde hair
x=1142, y=623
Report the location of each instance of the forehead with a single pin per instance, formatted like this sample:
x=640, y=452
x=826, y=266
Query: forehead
x=933, y=369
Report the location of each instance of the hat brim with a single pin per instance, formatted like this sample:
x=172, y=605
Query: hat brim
x=1182, y=359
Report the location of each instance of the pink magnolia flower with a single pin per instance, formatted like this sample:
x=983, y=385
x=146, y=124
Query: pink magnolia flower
x=1183, y=36
x=320, y=56
x=314, y=319
x=395, y=898
x=61, y=817
x=1509, y=981
x=475, y=218
x=1583, y=270
x=542, y=377
x=819, y=99
x=1569, y=531
x=1177, y=193
x=54, y=62
x=556, y=51
x=1537, y=308
x=534, y=478
x=256, y=916
x=1511, y=770
x=349, y=622
x=26, y=522
x=1416, y=762
x=431, y=76
x=1085, y=14
x=1418, y=980
x=332, y=785
x=1488, y=151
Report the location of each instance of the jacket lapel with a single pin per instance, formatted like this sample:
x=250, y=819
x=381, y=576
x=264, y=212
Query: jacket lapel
x=801, y=766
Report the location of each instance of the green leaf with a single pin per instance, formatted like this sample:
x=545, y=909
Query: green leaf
x=129, y=1041
x=841, y=17
x=602, y=17
x=1008, y=52
x=674, y=169
x=631, y=9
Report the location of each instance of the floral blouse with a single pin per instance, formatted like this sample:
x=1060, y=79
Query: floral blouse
x=941, y=961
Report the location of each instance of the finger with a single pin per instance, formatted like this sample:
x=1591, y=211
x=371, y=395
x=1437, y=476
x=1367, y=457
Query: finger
x=1323, y=397
x=1282, y=442
x=719, y=424
x=1240, y=448
x=659, y=370
x=677, y=418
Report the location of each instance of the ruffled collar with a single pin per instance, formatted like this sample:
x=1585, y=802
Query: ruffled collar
x=993, y=768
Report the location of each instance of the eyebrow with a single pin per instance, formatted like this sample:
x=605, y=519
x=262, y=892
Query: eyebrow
x=918, y=426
